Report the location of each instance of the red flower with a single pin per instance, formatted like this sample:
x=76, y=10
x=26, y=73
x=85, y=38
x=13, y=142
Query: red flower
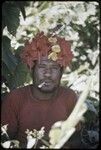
x=40, y=46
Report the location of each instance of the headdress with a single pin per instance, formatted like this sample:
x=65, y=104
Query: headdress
x=56, y=48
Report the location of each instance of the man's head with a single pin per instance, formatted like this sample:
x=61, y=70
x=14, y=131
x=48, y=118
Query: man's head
x=45, y=55
x=47, y=73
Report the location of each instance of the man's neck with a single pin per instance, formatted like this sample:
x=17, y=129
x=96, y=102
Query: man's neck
x=38, y=94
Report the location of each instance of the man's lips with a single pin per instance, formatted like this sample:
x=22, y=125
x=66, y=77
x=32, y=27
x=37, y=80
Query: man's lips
x=46, y=83
x=47, y=80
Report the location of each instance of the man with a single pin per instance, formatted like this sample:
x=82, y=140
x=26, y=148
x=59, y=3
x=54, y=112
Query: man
x=44, y=102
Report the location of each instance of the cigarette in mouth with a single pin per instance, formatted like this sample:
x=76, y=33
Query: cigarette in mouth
x=40, y=85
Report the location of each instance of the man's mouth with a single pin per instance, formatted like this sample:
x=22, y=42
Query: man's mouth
x=41, y=85
x=45, y=83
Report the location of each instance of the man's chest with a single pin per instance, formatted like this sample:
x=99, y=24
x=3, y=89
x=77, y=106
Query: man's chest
x=34, y=116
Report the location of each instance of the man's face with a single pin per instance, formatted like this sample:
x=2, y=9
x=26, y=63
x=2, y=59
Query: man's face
x=47, y=71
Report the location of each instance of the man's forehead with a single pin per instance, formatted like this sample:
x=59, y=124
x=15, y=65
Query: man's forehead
x=45, y=60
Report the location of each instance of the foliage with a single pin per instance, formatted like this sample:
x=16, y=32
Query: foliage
x=14, y=73
x=44, y=17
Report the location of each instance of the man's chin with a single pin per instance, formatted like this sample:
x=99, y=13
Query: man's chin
x=47, y=90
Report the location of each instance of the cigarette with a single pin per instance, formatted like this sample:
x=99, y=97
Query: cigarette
x=40, y=85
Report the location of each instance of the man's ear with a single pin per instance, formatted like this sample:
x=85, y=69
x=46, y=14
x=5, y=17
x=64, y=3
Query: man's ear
x=62, y=70
x=32, y=71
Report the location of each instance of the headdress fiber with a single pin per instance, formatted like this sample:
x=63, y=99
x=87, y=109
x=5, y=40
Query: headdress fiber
x=56, y=48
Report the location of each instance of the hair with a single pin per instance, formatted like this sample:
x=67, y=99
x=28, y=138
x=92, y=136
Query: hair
x=57, y=48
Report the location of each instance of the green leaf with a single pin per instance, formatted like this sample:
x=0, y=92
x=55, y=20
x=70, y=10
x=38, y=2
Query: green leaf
x=5, y=71
x=20, y=76
x=10, y=16
x=18, y=52
x=7, y=57
x=21, y=7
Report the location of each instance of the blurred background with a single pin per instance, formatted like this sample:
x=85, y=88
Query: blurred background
x=78, y=22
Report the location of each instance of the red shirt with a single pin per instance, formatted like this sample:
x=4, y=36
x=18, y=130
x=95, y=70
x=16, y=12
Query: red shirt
x=21, y=111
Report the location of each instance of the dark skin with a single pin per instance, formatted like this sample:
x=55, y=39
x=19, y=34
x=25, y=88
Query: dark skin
x=47, y=71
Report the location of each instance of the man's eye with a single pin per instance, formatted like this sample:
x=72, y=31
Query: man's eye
x=41, y=67
x=55, y=68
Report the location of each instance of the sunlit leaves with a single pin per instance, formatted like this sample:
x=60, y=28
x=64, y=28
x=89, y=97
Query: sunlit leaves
x=81, y=25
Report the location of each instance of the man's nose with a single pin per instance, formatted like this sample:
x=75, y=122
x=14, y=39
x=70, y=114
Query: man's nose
x=47, y=73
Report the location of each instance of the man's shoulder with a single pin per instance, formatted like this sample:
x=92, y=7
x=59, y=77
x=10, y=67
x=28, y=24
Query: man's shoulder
x=17, y=92
x=69, y=95
x=67, y=90
x=20, y=89
x=69, y=98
